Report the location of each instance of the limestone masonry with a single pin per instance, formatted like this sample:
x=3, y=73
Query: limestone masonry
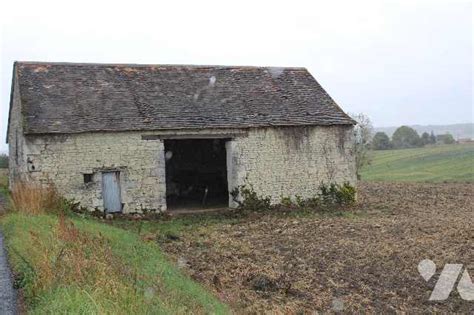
x=276, y=160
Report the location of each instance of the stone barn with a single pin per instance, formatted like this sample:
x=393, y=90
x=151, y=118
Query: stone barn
x=133, y=138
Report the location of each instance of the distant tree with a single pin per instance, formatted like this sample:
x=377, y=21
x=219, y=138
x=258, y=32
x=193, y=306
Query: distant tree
x=432, y=138
x=406, y=137
x=381, y=141
x=363, y=132
x=447, y=138
x=425, y=138
x=3, y=161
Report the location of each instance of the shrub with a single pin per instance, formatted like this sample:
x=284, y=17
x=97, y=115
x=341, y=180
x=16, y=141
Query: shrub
x=328, y=196
x=3, y=161
x=250, y=199
x=347, y=194
x=337, y=195
x=287, y=202
x=445, y=139
x=31, y=198
x=310, y=203
x=4, y=181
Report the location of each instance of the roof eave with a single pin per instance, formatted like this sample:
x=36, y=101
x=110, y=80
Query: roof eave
x=269, y=125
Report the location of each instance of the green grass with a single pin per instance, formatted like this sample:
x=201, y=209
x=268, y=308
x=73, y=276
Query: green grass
x=4, y=181
x=144, y=281
x=450, y=163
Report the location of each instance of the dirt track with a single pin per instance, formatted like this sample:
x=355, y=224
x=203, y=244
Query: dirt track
x=365, y=260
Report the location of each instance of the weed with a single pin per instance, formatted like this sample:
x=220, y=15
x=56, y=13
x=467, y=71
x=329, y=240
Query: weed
x=337, y=195
x=250, y=200
x=328, y=196
x=32, y=198
x=286, y=202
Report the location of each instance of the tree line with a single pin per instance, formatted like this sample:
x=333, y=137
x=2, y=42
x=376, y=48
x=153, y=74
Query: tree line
x=406, y=137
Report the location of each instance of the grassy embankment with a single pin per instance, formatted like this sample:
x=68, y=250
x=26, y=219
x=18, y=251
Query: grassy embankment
x=74, y=265
x=450, y=163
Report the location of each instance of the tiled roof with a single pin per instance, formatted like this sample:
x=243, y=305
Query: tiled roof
x=73, y=98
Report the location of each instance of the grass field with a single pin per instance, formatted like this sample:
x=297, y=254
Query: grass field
x=450, y=163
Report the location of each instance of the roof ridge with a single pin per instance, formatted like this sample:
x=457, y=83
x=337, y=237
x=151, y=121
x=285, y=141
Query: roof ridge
x=139, y=65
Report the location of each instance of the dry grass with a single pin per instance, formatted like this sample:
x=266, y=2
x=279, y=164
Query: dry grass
x=31, y=198
x=3, y=188
x=4, y=177
x=76, y=257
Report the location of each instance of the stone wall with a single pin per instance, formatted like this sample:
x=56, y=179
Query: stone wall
x=16, y=140
x=65, y=159
x=290, y=161
x=275, y=161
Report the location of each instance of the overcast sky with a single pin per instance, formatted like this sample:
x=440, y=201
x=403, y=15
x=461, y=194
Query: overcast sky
x=399, y=62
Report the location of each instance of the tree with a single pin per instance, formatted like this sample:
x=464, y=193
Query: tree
x=447, y=138
x=405, y=137
x=363, y=132
x=3, y=161
x=425, y=138
x=432, y=138
x=381, y=141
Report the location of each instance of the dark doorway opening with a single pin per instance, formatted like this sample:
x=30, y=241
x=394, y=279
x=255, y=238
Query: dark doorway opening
x=196, y=174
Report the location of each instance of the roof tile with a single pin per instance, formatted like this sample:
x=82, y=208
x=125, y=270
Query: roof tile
x=74, y=98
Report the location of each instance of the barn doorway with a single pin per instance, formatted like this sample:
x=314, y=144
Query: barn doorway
x=196, y=174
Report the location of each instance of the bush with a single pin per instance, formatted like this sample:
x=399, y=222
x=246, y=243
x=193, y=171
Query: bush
x=338, y=195
x=31, y=198
x=250, y=199
x=445, y=139
x=3, y=161
x=286, y=202
x=311, y=203
x=328, y=196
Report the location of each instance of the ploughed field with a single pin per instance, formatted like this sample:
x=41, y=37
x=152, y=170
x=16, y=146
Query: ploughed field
x=364, y=259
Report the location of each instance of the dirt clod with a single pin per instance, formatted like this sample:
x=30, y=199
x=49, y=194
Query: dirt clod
x=263, y=283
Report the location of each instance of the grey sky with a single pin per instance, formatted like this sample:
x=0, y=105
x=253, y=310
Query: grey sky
x=400, y=62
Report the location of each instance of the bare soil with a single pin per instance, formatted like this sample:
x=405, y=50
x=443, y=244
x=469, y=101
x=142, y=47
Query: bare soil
x=363, y=260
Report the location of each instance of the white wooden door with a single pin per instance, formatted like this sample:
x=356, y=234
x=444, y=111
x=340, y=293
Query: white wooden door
x=111, y=192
